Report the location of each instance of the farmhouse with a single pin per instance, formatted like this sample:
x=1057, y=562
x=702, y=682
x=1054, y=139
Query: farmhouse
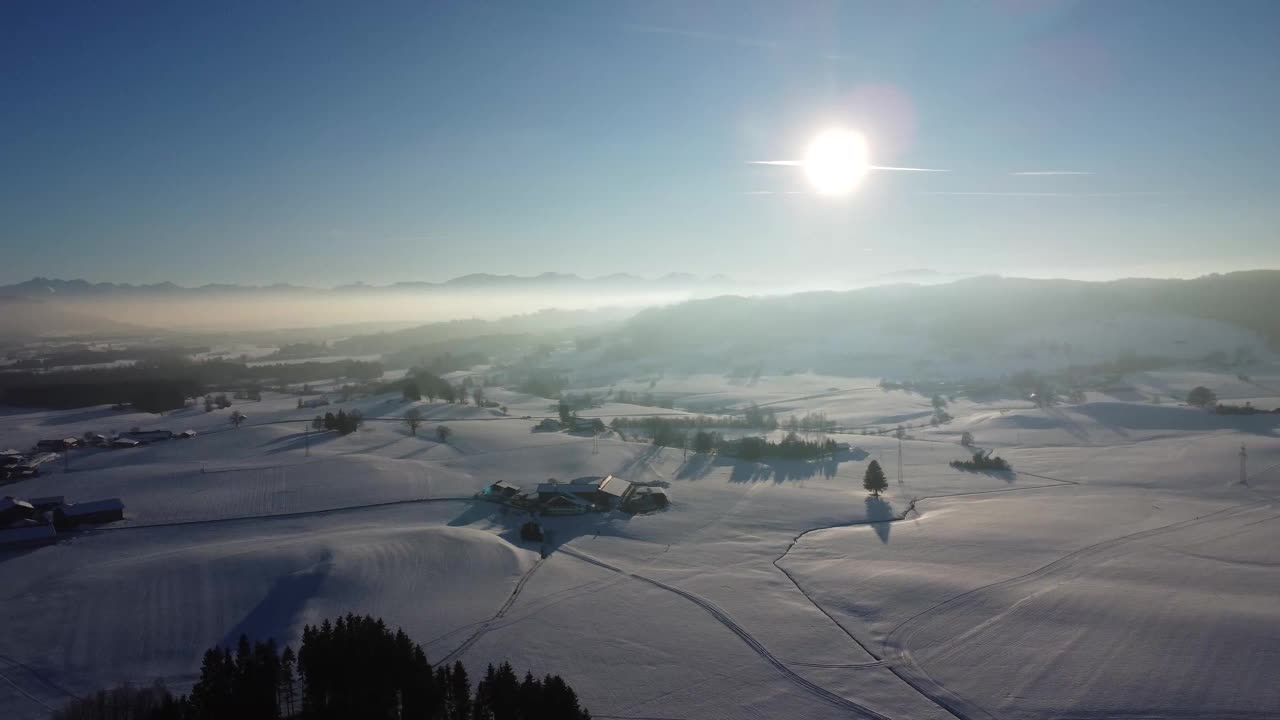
x=565, y=505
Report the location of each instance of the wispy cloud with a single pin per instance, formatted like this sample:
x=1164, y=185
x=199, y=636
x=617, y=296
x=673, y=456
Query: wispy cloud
x=1045, y=194
x=869, y=167
x=775, y=192
x=1052, y=172
x=904, y=169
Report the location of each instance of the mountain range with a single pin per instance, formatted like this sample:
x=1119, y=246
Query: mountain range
x=41, y=287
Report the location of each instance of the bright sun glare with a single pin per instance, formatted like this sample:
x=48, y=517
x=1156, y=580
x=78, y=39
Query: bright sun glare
x=836, y=161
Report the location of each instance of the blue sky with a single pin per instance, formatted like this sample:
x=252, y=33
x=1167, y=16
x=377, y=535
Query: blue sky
x=322, y=143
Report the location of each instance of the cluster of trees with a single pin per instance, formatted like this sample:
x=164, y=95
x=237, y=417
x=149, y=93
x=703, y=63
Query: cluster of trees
x=792, y=447
x=982, y=462
x=344, y=422
x=1201, y=396
x=424, y=383
x=1245, y=409
x=543, y=383
x=218, y=401
x=753, y=419
x=646, y=399
x=354, y=667
x=83, y=354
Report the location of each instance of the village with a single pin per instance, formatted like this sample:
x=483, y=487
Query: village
x=34, y=521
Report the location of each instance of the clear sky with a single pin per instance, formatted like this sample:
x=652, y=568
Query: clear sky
x=320, y=143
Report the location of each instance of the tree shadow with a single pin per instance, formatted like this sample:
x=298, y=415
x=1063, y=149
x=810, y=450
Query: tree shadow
x=696, y=467
x=779, y=470
x=97, y=413
x=638, y=461
x=1118, y=417
x=556, y=530
x=1006, y=475
x=284, y=602
x=300, y=441
x=880, y=516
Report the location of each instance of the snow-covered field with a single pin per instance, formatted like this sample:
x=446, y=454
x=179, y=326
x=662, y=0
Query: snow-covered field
x=1121, y=571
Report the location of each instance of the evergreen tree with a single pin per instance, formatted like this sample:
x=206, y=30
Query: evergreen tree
x=459, y=693
x=411, y=391
x=874, y=480
x=288, y=682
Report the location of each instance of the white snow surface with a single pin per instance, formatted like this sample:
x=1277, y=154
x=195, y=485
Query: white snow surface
x=1121, y=571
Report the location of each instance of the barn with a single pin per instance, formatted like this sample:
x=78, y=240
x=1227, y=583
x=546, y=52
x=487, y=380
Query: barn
x=88, y=513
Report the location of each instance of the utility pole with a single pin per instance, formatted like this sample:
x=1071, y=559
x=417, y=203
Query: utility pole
x=899, y=459
x=1244, y=457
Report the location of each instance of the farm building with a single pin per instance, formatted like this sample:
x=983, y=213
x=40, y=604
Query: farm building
x=123, y=442
x=89, y=513
x=27, y=536
x=606, y=491
x=13, y=510
x=614, y=490
x=151, y=435
x=501, y=491
x=647, y=499
x=45, y=504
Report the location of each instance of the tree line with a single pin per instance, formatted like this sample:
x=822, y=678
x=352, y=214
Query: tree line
x=162, y=385
x=353, y=667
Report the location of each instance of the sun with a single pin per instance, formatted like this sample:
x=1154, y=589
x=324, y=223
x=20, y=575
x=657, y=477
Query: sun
x=836, y=161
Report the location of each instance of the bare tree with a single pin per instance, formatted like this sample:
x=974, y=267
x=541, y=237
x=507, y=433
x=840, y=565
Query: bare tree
x=413, y=418
x=237, y=418
x=443, y=433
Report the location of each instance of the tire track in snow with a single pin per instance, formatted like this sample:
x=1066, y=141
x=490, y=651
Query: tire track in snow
x=898, y=641
x=911, y=507
x=487, y=624
x=38, y=676
x=759, y=648
x=45, y=688
x=277, y=516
